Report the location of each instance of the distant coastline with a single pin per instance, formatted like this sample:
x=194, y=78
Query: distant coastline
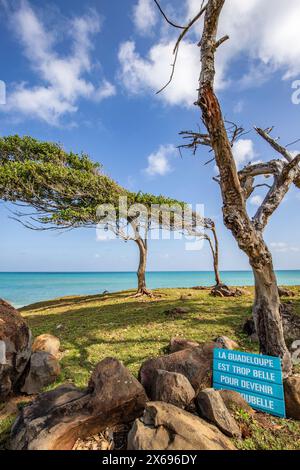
x=24, y=288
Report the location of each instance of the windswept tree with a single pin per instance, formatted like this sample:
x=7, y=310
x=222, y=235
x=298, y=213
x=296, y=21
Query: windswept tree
x=57, y=190
x=236, y=187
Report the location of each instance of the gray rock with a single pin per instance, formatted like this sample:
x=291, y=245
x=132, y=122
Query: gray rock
x=211, y=407
x=173, y=388
x=166, y=427
x=44, y=370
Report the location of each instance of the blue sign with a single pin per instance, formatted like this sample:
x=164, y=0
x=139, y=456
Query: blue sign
x=257, y=378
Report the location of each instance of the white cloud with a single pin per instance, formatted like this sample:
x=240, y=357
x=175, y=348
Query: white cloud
x=243, y=152
x=283, y=247
x=63, y=75
x=266, y=32
x=159, y=162
x=144, y=16
x=150, y=74
x=256, y=200
x=239, y=107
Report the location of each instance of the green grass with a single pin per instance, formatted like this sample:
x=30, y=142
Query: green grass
x=132, y=330
x=264, y=432
x=5, y=427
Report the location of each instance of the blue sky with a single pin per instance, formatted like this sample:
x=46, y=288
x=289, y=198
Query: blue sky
x=85, y=74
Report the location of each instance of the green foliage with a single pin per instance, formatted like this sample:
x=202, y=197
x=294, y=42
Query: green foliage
x=64, y=189
x=21, y=149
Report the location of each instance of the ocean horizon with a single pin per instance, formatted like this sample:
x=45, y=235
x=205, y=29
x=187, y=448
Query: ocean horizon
x=24, y=288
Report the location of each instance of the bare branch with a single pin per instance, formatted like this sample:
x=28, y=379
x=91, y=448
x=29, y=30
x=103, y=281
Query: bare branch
x=166, y=18
x=171, y=76
x=221, y=41
x=282, y=183
x=265, y=134
x=180, y=38
x=292, y=143
x=188, y=27
x=196, y=139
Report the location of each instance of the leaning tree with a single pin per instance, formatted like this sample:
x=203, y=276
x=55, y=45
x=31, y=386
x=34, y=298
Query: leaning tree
x=236, y=187
x=57, y=190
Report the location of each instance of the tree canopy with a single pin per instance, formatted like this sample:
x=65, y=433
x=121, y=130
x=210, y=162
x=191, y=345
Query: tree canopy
x=63, y=188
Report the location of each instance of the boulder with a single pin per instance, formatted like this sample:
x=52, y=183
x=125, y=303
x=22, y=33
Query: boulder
x=47, y=343
x=178, y=344
x=235, y=402
x=15, y=349
x=195, y=364
x=292, y=396
x=211, y=407
x=44, y=370
x=57, y=419
x=166, y=427
x=224, y=342
x=173, y=388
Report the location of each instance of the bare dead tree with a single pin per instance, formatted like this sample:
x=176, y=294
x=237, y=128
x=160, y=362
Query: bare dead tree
x=236, y=187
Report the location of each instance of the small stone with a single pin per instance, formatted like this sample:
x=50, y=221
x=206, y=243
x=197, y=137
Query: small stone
x=224, y=342
x=47, y=343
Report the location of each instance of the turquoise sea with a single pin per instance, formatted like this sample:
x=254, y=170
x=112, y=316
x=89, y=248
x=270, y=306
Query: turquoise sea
x=25, y=288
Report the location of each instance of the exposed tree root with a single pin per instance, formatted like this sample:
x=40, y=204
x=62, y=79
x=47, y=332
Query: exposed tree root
x=142, y=293
x=221, y=290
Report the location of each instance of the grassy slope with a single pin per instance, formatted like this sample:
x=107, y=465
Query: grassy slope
x=132, y=330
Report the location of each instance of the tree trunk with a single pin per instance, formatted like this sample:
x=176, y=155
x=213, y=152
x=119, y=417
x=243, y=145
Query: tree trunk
x=141, y=273
x=266, y=315
x=249, y=238
x=215, y=255
x=216, y=258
